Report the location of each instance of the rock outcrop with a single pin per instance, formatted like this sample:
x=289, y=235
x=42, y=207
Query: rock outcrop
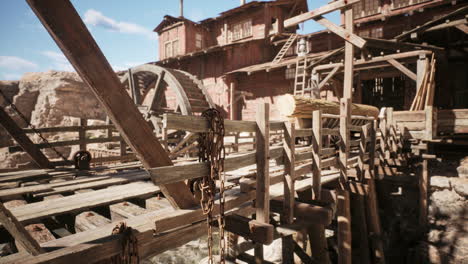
x=47, y=99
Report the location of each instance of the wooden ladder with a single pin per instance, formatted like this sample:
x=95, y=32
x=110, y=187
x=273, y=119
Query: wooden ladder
x=300, y=78
x=285, y=48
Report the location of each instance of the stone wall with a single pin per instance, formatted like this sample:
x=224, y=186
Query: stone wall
x=448, y=215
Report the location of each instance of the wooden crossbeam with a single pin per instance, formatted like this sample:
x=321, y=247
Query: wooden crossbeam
x=20, y=234
x=343, y=33
x=70, y=33
x=430, y=23
x=329, y=76
x=333, y=6
x=20, y=137
x=403, y=69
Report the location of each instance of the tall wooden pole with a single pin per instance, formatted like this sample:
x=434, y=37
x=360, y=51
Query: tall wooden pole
x=70, y=33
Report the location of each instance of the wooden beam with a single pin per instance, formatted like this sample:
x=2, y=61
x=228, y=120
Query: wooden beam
x=430, y=23
x=20, y=137
x=251, y=229
x=348, y=58
x=262, y=204
x=403, y=69
x=463, y=28
x=19, y=232
x=341, y=32
x=333, y=6
x=287, y=210
x=328, y=77
x=316, y=151
x=70, y=33
x=344, y=228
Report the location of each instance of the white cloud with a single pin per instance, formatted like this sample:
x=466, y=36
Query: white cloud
x=96, y=18
x=59, y=61
x=16, y=63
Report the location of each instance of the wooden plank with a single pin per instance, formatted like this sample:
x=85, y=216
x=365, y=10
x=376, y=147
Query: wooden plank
x=306, y=212
x=344, y=228
x=333, y=6
x=164, y=175
x=19, y=232
x=26, y=144
x=70, y=33
x=316, y=151
x=89, y=220
x=80, y=202
x=262, y=145
x=250, y=229
x=124, y=210
x=403, y=69
x=345, y=137
x=69, y=143
x=66, y=129
x=341, y=32
x=198, y=124
x=287, y=210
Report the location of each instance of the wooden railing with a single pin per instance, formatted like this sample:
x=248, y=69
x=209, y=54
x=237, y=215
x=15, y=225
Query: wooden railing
x=82, y=140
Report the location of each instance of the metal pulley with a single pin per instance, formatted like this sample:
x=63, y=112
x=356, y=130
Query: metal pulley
x=82, y=159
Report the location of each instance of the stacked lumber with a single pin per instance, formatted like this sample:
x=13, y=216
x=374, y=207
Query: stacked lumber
x=425, y=93
x=302, y=107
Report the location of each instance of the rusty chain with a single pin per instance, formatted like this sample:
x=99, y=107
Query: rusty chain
x=33, y=128
x=129, y=254
x=211, y=149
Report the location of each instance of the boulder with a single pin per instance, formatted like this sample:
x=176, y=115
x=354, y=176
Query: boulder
x=440, y=182
x=446, y=203
x=460, y=185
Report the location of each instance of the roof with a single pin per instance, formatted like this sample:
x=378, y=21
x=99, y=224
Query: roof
x=170, y=20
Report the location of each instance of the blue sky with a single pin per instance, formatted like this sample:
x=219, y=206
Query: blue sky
x=122, y=30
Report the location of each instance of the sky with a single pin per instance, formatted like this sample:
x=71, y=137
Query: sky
x=123, y=31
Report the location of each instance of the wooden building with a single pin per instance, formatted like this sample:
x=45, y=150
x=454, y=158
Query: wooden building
x=232, y=53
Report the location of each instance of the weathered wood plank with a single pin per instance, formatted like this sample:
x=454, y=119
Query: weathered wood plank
x=343, y=33
x=80, y=202
x=403, y=69
x=19, y=232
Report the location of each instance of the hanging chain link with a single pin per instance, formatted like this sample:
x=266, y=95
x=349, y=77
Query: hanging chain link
x=211, y=149
x=31, y=126
x=129, y=254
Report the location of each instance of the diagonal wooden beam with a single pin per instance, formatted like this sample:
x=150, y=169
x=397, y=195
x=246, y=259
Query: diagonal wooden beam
x=327, y=78
x=403, y=69
x=463, y=28
x=333, y=6
x=343, y=33
x=23, y=140
x=70, y=33
x=19, y=232
x=430, y=23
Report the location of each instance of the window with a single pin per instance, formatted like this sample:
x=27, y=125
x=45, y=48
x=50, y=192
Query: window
x=241, y=30
x=168, y=49
x=290, y=73
x=198, y=41
x=171, y=48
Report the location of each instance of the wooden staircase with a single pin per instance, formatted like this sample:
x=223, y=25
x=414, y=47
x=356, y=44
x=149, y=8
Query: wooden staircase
x=284, y=49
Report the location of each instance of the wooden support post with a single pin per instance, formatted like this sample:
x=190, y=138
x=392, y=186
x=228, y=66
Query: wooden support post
x=374, y=227
x=372, y=150
x=431, y=123
x=316, y=151
x=23, y=140
x=133, y=84
x=70, y=33
x=287, y=217
x=232, y=95
x=349, y=56
x=82, y=133
x=345, y=114
x=19, y=232
x=421, y=68
x=423, y=193
x=262, y=202
x=344, y=228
